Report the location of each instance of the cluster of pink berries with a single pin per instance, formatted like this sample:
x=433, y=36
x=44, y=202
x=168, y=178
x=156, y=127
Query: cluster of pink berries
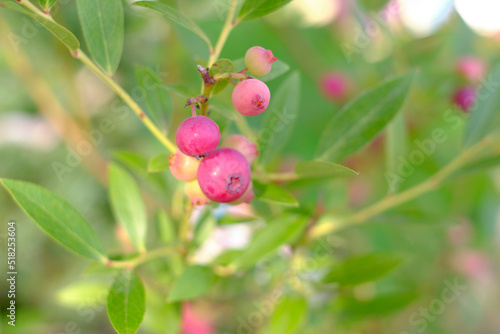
x=222, y=174
x=472, y=71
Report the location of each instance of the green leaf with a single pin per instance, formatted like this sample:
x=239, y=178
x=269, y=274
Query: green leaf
x=321, y=169
x=221, y=66
x=395, y=142
x=485, y=116
x=194, y=282
x=132, y=160
x=165, y=227
x=176, y=16
x=57, y=218
x=63, y=34
x=47, y=4
x=363, y=268
x=158, y=163
x=279, y=118
x=126, y=303
x=289, y=315
x=103, y=28
x=127, y=205
x=278, y=232
x=156, y=99
x=253, y=9
x=273, y=194
x=179, y=90
x=362, y=119
x=203, y=229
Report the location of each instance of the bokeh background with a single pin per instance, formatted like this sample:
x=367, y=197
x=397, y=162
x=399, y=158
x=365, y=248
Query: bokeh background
x=450, y=235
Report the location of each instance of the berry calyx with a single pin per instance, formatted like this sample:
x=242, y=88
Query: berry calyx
x=251, y=97
x=243, y=145
x=183, y=167
x=224, y=175
x=197, y=136
x=193, y=192
x=465, y=97
x=259, y=60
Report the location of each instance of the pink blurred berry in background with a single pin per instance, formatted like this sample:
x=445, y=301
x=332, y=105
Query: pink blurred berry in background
x=259, y=60
x=183, y=167
x=471, y=68
x=194, y=323
x=193, y=192
x=465, y=97
x=247, y=196
x=335, y=86
x=243, y=145
x=197, y=136
x=251, y=97
x=224, y=175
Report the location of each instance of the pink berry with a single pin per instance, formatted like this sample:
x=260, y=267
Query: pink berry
x=183, y=167
x=243, y=145
x=195, y=322
x=197, y=136
x=259, y=60
x=334, y=86
x=224, y=175
x=193, y=192
x=247, y=196
x=471, y=68
x=465, y=97
x=251, y=97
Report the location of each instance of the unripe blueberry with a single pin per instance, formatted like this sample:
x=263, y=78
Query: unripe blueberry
x=471, y=68
x=243, y=145
x=183, y=167
x=334, y=86
x=197, y=136
x=465, y=97
x=224, y=175
x=259, y=60
x=194, y=193
x=251, y=97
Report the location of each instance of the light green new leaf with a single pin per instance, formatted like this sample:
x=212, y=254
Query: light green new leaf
x=273, y=194
x=126, y=303
x=276, y=233
x=103, y=28
x=362, y=119
x=321, y=169
x=279, y=118
x=47, y=4
x=158, y=163
x=194, y=282
x=221, y=66
x=63, y=34
x=176, y=16
x=127, y=205
x=157, y=101
x=57, y=218
x=485, y=115
x=363, y=268
x=289, y=315
x=253, y=9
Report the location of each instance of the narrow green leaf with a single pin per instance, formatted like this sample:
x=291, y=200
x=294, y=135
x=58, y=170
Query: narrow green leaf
x=279, y=118
x=128, y=207
x=321, y=169
x=176, y=16
x=103, y=28
x=203, y=229
x=57, y=218
x=485, y=116
x=126, y=303
x=289, y=315
x=351, y=308
x=278, y=232
x=395, y=142
x=63, y=34
x=158, y=163
x=158, y=104
x=253, y=9
x=362, y=119
x=221, y=66
x=363, y=268
x=165, y=227
x=273, y=194
x=194, y=282
x=47, y=4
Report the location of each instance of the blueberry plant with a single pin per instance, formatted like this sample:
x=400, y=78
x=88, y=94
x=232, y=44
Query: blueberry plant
x=209, y=174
